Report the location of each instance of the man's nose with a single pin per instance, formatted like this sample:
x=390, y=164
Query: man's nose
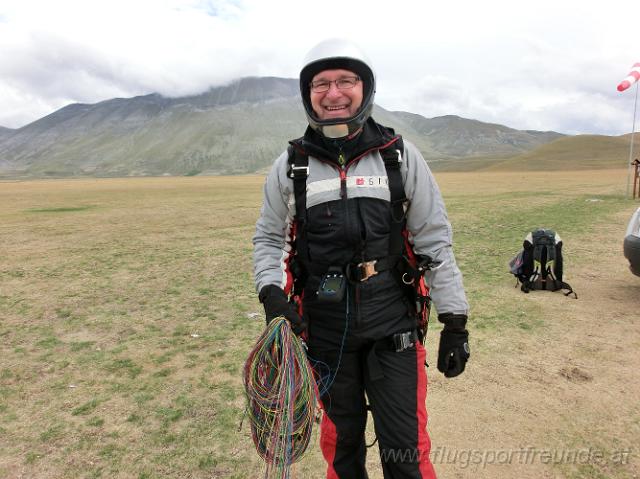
x=333, y=90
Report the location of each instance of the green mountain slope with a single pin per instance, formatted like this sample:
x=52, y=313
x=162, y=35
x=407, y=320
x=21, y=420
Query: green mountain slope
x=575, y=152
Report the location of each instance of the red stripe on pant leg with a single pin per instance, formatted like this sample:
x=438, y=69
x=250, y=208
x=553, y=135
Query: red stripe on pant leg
x=328, y=442
x=424, y=442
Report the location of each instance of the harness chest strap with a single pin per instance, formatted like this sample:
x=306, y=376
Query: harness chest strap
x=357, y=272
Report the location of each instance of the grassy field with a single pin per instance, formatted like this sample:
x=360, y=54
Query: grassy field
x=126, y=313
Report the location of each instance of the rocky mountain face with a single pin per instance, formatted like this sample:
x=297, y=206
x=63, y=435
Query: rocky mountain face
x=5, y=132
x=237, y=128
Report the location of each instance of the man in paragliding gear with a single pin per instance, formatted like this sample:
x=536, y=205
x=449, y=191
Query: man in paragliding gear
x=331, y=255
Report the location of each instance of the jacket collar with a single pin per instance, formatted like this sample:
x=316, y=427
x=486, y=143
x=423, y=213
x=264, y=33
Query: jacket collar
x=371, y=137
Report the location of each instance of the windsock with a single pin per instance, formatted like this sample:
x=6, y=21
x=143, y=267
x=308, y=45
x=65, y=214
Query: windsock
x=634, y=76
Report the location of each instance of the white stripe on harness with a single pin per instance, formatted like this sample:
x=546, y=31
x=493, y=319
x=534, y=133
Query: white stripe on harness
x=333, y=184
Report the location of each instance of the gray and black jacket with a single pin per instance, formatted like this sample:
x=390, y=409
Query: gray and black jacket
x=352, y=224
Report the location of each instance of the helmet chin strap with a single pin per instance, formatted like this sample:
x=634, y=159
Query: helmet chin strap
x=335, y=131
x=339, y=132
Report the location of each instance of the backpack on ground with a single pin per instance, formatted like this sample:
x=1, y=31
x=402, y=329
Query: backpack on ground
x=539, y=265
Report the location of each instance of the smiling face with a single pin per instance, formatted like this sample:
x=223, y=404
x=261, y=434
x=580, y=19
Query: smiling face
x=336, y=103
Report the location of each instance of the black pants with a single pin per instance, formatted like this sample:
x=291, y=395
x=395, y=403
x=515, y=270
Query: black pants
x=395, y=384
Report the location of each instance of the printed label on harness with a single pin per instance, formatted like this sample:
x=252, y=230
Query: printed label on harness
x=368, y=181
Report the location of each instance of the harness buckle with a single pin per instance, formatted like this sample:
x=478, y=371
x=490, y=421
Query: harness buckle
x=367, y=269
x=298, y=171
x=403, y=341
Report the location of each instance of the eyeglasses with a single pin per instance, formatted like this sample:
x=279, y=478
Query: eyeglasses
x=346, y=83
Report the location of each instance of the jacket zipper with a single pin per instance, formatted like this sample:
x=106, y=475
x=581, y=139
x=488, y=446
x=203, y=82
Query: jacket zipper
x=342, y=170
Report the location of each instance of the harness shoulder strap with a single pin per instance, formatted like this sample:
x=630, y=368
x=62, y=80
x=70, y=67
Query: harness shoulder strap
x=398, y=240
x=393, y=157
x=298, y=172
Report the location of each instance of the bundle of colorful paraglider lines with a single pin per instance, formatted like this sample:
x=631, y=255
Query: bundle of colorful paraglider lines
x=282, y=397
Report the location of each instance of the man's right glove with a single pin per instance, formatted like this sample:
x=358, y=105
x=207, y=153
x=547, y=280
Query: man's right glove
x=276, y=304
x=453, y=352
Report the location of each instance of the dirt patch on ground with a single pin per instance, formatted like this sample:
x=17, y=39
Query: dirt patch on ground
x=575, y=375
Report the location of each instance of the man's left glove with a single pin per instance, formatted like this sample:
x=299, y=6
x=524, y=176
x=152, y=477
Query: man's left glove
x=276, y=304
x=453, y=352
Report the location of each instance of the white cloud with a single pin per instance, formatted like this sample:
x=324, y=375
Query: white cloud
x=548, y=65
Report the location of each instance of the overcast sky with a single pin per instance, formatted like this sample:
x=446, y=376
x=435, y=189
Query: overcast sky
x=544, y=65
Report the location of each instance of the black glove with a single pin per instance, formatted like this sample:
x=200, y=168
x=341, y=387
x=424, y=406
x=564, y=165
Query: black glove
x=277, y=304
x=453, y=352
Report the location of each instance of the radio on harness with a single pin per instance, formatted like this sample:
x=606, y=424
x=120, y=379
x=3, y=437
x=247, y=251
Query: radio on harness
x=332, y=286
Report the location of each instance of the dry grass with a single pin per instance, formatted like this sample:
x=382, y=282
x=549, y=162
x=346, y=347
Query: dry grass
x=124, y=324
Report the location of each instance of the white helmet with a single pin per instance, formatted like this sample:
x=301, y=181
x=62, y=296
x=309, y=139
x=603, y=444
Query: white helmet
x=330, y=55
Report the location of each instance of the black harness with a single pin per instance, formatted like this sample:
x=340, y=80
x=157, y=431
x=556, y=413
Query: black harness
x=400, y=258
x=299, y=172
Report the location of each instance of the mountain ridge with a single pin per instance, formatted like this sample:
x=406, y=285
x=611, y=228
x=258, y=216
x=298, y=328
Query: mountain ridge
x=235, y=128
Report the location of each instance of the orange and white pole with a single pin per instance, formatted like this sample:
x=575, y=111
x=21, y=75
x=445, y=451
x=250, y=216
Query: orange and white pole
x=633, y=77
